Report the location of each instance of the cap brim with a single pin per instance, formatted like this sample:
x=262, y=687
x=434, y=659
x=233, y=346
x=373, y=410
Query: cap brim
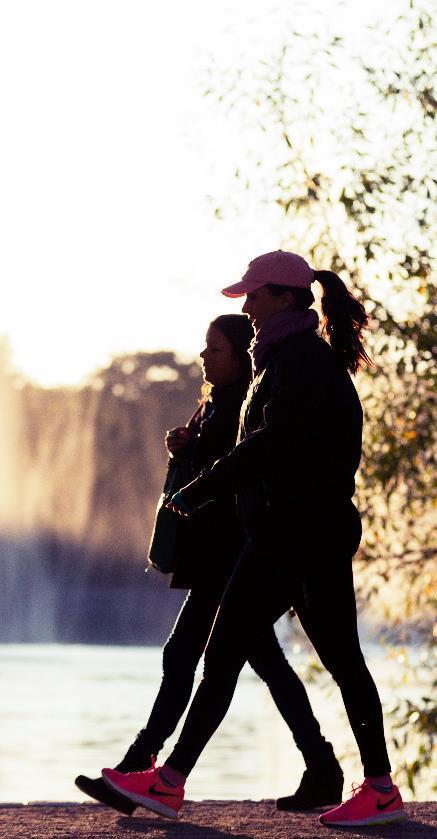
x=236, y=290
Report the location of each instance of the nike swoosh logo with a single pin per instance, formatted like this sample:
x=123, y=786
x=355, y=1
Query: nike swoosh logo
x=163, y=794
x=383, y=806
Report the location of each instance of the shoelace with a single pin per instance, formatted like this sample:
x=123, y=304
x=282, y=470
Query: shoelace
x=142, y=771
x=356, y=788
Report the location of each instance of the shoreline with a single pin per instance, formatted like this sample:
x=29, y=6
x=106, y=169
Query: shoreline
x=199, y=820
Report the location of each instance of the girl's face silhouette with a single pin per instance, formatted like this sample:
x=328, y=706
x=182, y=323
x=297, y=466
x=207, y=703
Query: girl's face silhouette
x=221, y=365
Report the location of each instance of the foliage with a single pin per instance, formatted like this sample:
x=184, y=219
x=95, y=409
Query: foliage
x=415, y=721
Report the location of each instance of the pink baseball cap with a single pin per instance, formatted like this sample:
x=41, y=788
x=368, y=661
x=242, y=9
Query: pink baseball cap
x=278, y=267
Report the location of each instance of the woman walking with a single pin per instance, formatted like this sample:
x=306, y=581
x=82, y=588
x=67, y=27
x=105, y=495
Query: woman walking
x=206, y=553
x=293, y=471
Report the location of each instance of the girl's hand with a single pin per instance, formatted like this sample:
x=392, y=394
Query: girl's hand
x=177, y=439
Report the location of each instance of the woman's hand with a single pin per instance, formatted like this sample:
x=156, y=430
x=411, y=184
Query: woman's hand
x=175, y=509
x=177, y=439
x=178, y=505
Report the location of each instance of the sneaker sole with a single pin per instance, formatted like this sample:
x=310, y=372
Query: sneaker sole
x=149, y=803
x=395, y=816
x=300, y=808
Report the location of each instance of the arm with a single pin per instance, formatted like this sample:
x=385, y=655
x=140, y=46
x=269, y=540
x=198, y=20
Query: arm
x=290, y=419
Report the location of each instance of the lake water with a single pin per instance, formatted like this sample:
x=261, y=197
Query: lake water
x=73, y=709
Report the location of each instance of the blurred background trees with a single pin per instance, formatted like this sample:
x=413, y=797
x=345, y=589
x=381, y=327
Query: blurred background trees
x=349, y=154
x=82, y=469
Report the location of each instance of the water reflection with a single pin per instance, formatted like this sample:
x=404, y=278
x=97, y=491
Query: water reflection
x=70, y=709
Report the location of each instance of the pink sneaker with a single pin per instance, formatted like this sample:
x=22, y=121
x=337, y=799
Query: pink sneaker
x=366, y=806
x=148, y=789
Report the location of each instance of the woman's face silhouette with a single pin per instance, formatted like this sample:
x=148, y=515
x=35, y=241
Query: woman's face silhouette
x=261, y=304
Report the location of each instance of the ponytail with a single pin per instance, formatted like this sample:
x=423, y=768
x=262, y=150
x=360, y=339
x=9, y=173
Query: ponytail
x=344, y=320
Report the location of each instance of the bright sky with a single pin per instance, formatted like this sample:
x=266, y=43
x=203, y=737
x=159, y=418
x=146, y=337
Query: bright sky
x=108, y=155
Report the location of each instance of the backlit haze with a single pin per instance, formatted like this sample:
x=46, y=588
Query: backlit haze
x=112, y=160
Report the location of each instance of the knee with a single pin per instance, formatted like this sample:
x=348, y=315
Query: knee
x=220, y=664
x=269, y=667
x=345, y=669
x=180, y=657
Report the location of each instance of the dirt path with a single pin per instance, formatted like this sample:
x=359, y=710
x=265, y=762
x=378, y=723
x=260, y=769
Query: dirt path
x=200, y=820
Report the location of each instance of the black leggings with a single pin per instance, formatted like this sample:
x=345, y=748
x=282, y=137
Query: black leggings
x=182, y=653
x=260, y=590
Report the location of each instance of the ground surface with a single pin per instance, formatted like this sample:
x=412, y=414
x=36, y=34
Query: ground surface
x=200, y=820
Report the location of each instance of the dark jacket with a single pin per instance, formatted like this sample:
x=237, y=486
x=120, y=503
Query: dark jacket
x=211, y=540
x=300, y=438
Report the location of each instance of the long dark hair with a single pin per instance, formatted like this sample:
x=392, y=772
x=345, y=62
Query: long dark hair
x=344, y=320
x=344, y=317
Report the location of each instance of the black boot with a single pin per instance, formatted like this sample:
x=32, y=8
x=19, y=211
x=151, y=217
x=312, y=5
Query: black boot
x=321, y=784
x=136, y=759
x=97, y=789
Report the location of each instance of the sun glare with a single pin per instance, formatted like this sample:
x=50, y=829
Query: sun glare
x=112, y=162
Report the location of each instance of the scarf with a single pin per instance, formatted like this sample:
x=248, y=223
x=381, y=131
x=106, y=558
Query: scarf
x=277, y=328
